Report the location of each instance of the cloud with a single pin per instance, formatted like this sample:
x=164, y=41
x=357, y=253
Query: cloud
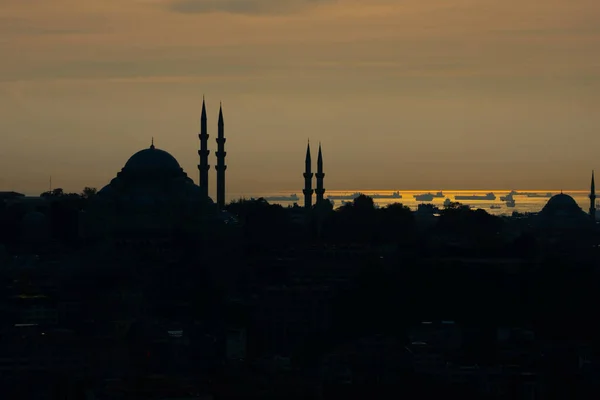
x=249, y=7
x=561, y=32
x=57, y=26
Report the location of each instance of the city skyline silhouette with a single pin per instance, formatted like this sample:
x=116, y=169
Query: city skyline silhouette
x=299, y=199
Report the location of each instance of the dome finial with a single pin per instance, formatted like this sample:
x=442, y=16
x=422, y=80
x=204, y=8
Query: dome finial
x=152, y=143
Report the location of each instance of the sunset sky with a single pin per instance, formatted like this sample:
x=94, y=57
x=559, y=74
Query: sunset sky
x=403, y=94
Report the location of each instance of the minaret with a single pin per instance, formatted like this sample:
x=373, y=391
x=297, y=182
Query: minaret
x=308, y=191
x=221, y=167
x=203, y=167
x=593, y=198
x=320, y=191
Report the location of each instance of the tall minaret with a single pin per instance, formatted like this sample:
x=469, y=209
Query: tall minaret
x=320, y=191
x=221, y=167
x=203, y=167
x=308, y=191
x=593, y=198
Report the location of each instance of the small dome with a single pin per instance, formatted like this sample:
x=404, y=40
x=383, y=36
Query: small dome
x=562, y=212
x=562, y=202
x=151, y=159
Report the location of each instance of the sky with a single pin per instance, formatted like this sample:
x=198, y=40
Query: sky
x=402, y=94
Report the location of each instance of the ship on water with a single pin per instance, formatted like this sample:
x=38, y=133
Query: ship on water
x=495, y=207
x=487, y=196
x=292, y=197
x=543, y=195
x=509, y=196
x=527, y=194
x=344, y=196
x=510, y=201
x=395, y=195
x=428, y=196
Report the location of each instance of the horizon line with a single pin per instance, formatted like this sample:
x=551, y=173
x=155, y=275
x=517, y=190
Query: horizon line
x=364, y=191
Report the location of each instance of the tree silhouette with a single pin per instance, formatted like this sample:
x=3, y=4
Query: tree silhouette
x=63, y=211
x=53, y=193
x=356, y=220
x=395, y=223
x=262, y=222
x=88, y=192
x=476, y=225
x=455, y=206
x=363, y=203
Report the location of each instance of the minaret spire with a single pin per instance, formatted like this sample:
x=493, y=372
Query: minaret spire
x=320, y=191
x=203, y=167
x=593, y=198
x=308, y=191
x=221, y=167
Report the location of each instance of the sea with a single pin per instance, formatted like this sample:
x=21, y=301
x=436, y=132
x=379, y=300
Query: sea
x=524, y=201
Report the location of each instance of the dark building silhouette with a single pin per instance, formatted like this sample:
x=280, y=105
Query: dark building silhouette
x=173, y=296
x=562, y=211
x=10, y=195
x=150, y=197
x=593, y=198
x=320, y=191
x=320, y=175
x=203, y=167
x=221, y=167
x=308, y=191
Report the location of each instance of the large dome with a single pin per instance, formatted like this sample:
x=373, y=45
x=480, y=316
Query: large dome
x=150, y=195
x=152, y=159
